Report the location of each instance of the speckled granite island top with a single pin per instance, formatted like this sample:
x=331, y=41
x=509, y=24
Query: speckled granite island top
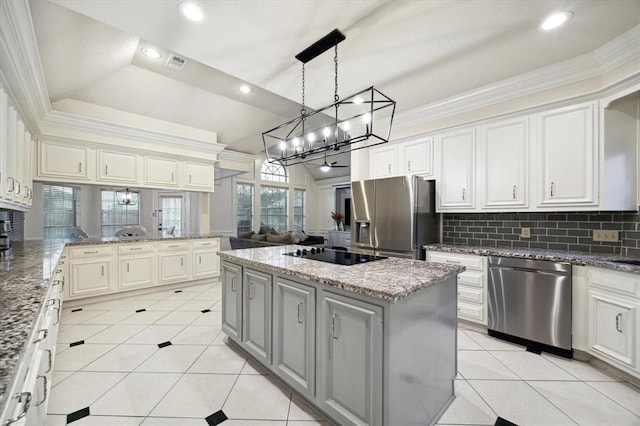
x=92, y=241
x=575, y=258
x=24, y=281
x=389, y=279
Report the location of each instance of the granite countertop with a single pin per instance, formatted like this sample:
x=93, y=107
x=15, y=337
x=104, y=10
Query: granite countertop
x=575, y=258
x=24, y=282
x=93, y=241
x=390, y=279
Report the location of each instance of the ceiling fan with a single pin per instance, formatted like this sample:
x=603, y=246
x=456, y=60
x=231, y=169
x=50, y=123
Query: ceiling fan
x=325, y=167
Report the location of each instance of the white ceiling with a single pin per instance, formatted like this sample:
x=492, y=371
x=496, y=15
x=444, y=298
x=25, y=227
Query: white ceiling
x=415, y=52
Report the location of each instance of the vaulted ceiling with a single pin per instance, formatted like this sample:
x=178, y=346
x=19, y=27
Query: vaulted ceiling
x=416, y=52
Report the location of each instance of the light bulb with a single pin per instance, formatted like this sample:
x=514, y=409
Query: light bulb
x=311, y=137
x=296, y=142
x=366, y=119
x=245, y=89
x=326, y=132
x=555, y=20
x=282, y=145
x=346, y=126
x=191, y=11
x=325, y=167
x=358, y=100
x=151, y=53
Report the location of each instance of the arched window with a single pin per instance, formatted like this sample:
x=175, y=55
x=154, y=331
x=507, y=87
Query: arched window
x=274, y=172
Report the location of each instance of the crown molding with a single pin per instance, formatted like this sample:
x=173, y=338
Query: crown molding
x=619, y=51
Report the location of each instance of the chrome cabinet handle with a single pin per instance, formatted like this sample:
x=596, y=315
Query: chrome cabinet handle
x=333, y=326
x=233, y=284
x=299, y=320
x=11, y=187
x=182, y=261
x=102, y=270
x=552, y=188
x=127, y=266
x=45, y=385
x=456, y=262
x=135, y=248
x=50, y=360
x=90, y=252
x=19, y=187
x=618, y=323
x=514, y=192
x=45, y=333
x=58, y=309
x=463, y=194
x=409, y=165
x=199, y=260
x=249, y=297
x=189, y=178
x=106, y=170
x=25, y=408
x=80, y=167
x=389, y=168
x=60, y=283
x=172, y=177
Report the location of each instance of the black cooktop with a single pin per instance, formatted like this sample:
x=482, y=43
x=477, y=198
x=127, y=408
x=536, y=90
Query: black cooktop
x=334, y=256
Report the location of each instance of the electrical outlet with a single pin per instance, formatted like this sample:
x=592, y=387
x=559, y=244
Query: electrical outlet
x=606, y=235
x=525, y=232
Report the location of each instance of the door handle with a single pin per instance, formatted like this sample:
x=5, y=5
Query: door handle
x=514, y=192
x=25, y=408
x=409, y=165
x=249, y=291
x=552, y=188
x=233, y=284
x=45, y=333
x=106, y=170
x=80, y=167
x=463, y=194
x=50, y=360
x=618, y=323
x=102, y=270
x=172, y=177
x=189, y=178
x=45, y=385
x=333, y=326
x=182, y=261
x=127, y=267
x=299, y=305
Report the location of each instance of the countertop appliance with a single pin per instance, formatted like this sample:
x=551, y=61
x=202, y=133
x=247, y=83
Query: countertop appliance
x=394, y=216
x=5, y=242
x=334, y=256
x=530, y=303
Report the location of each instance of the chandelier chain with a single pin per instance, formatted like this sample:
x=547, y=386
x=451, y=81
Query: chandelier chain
x=336, y=98
x=303, y=111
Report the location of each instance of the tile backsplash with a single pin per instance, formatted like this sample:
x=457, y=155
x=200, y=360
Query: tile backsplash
x=550, y=231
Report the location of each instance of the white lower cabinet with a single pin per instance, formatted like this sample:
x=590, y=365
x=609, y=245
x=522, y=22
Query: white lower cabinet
x=93, y=271
x=614, y=319
x=232, y=300
x=472, y=284
x=294, y=334
x=351, y=351
x=138, y=266
x=175, y=262
x=206, y=262
x=256, y=314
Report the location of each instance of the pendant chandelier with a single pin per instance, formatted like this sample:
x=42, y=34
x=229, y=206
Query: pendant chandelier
x=358, y=121
x=127, y=197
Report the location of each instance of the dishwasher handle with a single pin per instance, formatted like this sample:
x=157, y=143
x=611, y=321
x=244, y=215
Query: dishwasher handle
x=528, y=270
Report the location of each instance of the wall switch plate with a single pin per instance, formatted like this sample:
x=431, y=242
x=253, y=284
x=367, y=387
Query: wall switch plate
x=606, y=235
x=525, y=232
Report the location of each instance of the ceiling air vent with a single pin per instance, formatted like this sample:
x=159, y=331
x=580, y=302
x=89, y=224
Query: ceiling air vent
x=176, y=62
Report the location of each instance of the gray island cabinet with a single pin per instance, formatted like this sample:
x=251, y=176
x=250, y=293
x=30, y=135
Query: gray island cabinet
x=367, y=344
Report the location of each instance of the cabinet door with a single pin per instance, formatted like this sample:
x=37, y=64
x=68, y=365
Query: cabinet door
x=4, y=117
x=567, y=139
x=174, y=266
x=206, y=264
x=138, y=271
x=457, y=165
x=294, y=334
x=161, y=171
x=91, y=276
x=60, y=160
x=11, y=171
x=19, y=162
x=383, y=161
x=326, y=201
x=416, y=157
x=232, y=300
x=504, y=148
x=118, y=167
x=613, y=328
x=198, y=175
x=256, y=318
x=351, y=353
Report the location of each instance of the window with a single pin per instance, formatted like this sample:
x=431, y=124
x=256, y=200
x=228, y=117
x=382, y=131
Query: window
x=116, y=216
x=171, y=219
x=273, y=207
x=61, y=205
x=298, y=209
x=274, y=172
x=244, y=212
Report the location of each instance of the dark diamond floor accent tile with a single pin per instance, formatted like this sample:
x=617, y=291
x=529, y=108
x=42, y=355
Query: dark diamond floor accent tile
x=178, y=291
x=76, y=310
x=77, y=415
x=216, y=418
x=78, y=343
x=140, y=310
x=502, y=422
x=204, y=311
x=163, y=344
x=534, y=350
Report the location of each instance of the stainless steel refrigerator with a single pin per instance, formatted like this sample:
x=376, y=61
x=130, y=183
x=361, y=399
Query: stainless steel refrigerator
x=394, y=216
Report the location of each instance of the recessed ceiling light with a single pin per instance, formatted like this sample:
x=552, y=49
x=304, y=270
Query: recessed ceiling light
x=150, y=52
x=191, y=11
x=245, y=89
x=555, y=20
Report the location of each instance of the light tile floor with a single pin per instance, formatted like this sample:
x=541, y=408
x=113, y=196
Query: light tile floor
x=125, y=378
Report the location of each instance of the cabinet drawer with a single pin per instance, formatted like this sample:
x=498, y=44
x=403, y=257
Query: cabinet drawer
x=470, y=311
x=466, y=260
x=174, y=246
x=135, y=248
x=90, y=251
x=470, y=294
x=619, y=282
x=204, y=244
x=472, y=278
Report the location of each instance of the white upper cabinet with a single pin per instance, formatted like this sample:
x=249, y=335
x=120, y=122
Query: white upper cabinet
x=118, y=167
x=455, y=188
x=4, y=118
x=383, y=161
x=198, y=175
x=65, y=160
x=503, y=165
x=415, y=157
x=567, y=160
x=161, y=171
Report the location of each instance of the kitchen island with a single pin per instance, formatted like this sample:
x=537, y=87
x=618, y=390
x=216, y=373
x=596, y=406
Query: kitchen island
x=371, y=343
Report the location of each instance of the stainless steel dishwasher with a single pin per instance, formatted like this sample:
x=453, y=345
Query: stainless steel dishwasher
x=530, y=303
